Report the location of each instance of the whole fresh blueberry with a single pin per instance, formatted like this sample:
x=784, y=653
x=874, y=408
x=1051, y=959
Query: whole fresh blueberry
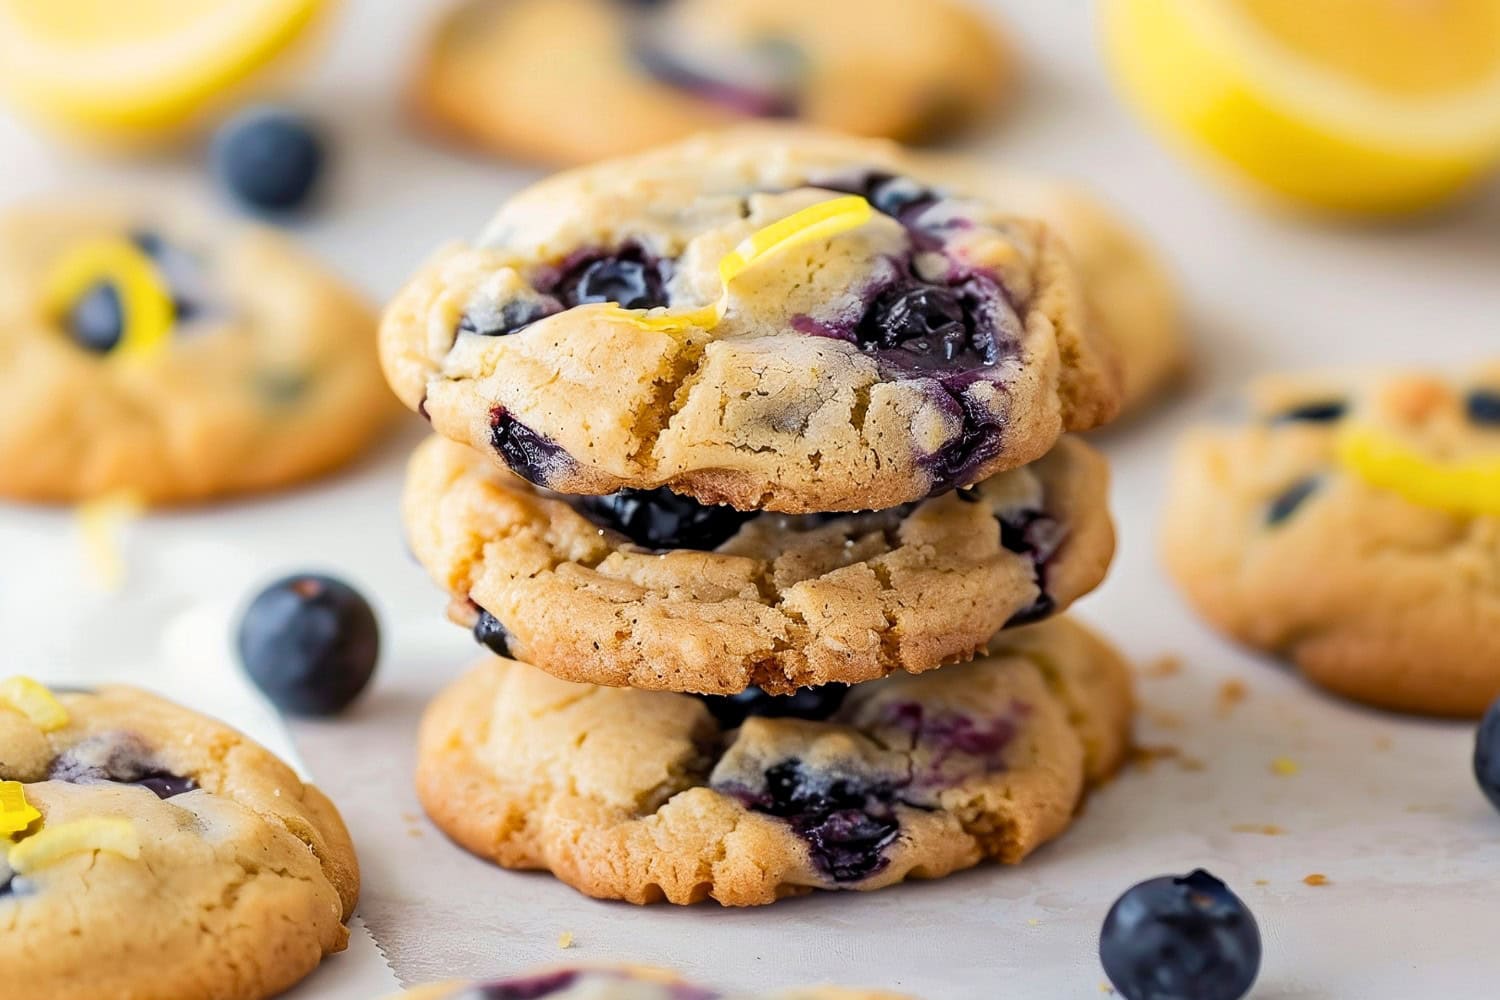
x=630, y=278
x=1180, y=938
x=97, y=320
x=310, y=643
x=1487, y=754
x=269, y=158
x=491, y=634
x=661, y=519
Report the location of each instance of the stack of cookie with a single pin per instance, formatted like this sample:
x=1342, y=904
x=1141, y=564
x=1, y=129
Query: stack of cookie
x=737, y=443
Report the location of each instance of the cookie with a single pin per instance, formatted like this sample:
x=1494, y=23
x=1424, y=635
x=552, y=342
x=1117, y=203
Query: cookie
x=647, y=796
x=1129, y=298
x=1352, y=526
x=622, y=983
x=635, y=74
x=724, y=317
x=158, y=853
x=180, y=359
x=652, y=590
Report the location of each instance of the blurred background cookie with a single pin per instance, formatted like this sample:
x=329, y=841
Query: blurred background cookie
x=568, y=81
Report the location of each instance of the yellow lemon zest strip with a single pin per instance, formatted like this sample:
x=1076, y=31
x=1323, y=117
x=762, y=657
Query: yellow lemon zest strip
x=145, y=300
x=16, y=814
x=1470, y=487
x=99, y=523
x=52, y=843
x=34, y=701
x=822, y=221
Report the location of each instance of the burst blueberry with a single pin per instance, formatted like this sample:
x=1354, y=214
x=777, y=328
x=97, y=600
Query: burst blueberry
x=1180, y=938
x=661, y=519
x=97, y=320
x=310, y=643
x=629, y=278
x=1483, y=406
x=1286, y=504
x=502, y=321
x=1487, y=754
x=923, y=319
x=119, y=757
x=1325, y=411
x=490, y=633
x=811, y=703
x=532, y=456
x=269, y=158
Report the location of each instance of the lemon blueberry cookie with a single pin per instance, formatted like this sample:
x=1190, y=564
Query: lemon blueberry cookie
x=773, y=320
x=151, y=852
x=617, y=983
x=1353, y=526
x=176, y=358
x=652, y=590
x=647, y=796
x=635, y=73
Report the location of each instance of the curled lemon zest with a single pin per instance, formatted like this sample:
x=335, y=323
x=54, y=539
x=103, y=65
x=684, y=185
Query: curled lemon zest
x=52, y=843
x=16, y=814
x=822, y=221
x=99, y=524
x=145, y=299
x=34, y=701
x=1469, y=487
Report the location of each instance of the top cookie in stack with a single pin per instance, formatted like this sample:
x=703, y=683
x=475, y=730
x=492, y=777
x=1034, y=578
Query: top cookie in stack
x=762, y=408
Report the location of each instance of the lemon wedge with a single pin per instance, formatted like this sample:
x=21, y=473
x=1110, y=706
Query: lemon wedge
x=1347, y=106
x=132, y=68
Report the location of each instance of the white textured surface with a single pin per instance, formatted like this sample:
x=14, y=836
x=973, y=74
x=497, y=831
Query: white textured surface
x=1385, y=807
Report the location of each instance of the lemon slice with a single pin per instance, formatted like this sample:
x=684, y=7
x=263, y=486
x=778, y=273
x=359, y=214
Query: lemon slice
x=34, y=701
x=53, y=843
x=1469, y=488
x=1349, y=106
x=132, y=67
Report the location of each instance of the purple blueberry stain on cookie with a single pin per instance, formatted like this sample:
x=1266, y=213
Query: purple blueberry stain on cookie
x=814, y=704
x=846, y=821
x=490, y=319
x=526, y=988
x=660, y=519
x=530, y=455
x=952, y=745
x=122, y=758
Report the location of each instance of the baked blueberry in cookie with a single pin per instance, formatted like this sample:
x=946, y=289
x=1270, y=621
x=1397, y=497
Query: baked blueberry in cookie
x=652, y=589
x=774, y=320
x=173, y=358
x=648, y=795
x=657, y=70
x=130, y=826
x=1350, y=527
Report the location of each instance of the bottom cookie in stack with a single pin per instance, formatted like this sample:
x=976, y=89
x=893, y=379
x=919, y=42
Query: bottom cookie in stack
x=647, y=796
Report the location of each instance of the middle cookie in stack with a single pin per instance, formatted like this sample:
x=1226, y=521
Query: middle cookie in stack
x=748, y=415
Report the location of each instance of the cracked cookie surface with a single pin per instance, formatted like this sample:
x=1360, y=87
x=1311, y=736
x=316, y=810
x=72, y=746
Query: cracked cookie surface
x=175, y=357
x=653, y=591
x=638, y=74
x=242, y=879
x=933, y=345
x=648, y=796
x=1353, y=527
x=619, y=983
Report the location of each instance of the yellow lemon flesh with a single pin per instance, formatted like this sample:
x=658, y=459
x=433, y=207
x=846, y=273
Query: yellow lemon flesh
x=130, y=68
x=1468, y=487
x=1349, y=106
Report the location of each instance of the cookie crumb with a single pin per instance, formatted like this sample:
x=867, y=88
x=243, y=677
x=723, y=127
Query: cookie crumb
x=1169, y=665
x=1231, y=693
x=1266, y=829
x=1033, y=922
x=565, y=940
x=1107, y=989
x=1285, y=767
x=1163, y=719
x=1316, y=878
x=1383, y=742
x=1262, y=881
